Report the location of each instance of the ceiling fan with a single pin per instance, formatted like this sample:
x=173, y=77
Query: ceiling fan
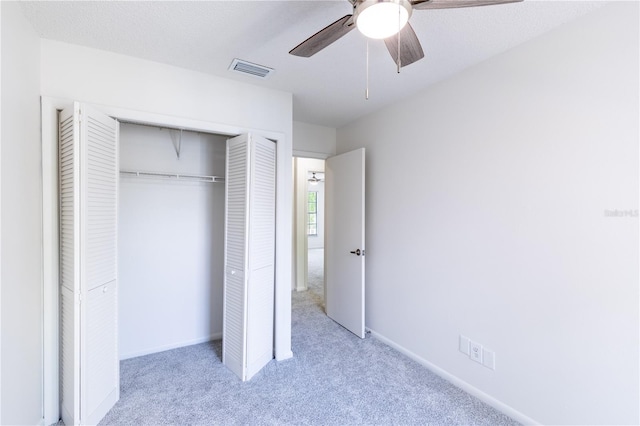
x=384, y=19
x=313, y=180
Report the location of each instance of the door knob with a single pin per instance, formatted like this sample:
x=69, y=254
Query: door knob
x=356, y=252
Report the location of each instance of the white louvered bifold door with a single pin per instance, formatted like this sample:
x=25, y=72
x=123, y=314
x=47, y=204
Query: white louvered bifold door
x=88, y=216
x=261, y=262
x=249, y=254
x=236, y=224
x=69, y=146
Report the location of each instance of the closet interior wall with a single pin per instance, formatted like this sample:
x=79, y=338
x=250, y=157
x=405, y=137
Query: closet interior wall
x=171, y=240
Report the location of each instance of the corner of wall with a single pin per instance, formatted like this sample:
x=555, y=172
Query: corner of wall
x=20, y=221
x=1, y=7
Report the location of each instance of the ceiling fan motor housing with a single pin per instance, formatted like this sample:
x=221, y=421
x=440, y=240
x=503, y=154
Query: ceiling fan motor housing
x=380, y=19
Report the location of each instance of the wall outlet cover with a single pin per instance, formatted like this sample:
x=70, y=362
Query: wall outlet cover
x=488, y=358
x=475, y=351
x=463, y=345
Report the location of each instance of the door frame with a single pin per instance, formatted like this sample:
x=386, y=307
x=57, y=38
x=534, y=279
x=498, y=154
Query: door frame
x=50, y=221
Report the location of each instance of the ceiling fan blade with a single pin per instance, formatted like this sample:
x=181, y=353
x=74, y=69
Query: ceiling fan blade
x=410, y=49
x=451, y=4
x=324, y=37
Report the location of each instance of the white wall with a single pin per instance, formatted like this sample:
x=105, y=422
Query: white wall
x=313, y=141
x=0, y=215
x=21, y=368
x=101, y=77
x=170, y=241
x=486, y=199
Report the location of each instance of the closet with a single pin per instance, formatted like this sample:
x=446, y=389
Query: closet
x=150, y=258
x=170, y=238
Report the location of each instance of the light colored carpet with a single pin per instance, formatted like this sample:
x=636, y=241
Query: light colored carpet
x=334, y=378
x=315, y=273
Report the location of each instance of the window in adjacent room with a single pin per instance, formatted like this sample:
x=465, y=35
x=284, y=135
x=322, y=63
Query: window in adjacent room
x=312, y=213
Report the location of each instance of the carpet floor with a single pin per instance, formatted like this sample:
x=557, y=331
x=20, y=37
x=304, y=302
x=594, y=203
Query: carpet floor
x=334, y=378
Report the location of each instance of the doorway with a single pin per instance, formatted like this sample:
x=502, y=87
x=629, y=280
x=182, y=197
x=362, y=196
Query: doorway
x=343, y=294
x=309, y=202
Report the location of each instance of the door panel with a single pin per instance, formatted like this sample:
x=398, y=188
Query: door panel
x=69, y=356
x=88, y=264
x=344, y=230
x=247, y=342
x=235, y=299
x=102, y=373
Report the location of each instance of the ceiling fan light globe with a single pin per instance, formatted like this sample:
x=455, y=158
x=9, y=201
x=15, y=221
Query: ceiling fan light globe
x=381, y=19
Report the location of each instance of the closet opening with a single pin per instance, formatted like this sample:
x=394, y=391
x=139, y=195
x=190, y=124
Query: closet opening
x=171, y=212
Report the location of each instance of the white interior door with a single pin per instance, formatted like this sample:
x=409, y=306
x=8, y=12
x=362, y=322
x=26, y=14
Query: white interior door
x=345, y=240
x=90, y=373
x=249, y=285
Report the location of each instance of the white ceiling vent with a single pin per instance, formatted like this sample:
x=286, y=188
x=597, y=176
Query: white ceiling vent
x=244, y=67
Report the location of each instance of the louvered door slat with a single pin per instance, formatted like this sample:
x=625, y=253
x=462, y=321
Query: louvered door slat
x=101, y=190
x=69, y=187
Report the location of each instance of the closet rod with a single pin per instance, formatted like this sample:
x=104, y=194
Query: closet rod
x=176, y=176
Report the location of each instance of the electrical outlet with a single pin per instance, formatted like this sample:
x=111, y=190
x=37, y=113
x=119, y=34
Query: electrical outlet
x=463, y=345
x=475, y=351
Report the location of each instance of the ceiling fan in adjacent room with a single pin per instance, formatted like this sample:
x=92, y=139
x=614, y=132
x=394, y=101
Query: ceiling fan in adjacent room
x=384, y=19
x=313, y=180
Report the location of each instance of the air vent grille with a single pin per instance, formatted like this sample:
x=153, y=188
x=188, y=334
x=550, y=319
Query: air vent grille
x=248, y=68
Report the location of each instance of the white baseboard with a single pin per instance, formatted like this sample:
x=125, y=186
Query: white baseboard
x=487, y=399
x=285, y=356
x=149, y=351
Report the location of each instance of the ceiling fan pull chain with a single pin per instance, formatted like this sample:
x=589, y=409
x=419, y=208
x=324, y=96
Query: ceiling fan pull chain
x=399, y=35
x=366, y=91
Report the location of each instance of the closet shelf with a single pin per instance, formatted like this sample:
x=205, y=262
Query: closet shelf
x=174, y=176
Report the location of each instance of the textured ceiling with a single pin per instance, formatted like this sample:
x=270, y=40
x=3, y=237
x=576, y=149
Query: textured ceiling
x=328, y=88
